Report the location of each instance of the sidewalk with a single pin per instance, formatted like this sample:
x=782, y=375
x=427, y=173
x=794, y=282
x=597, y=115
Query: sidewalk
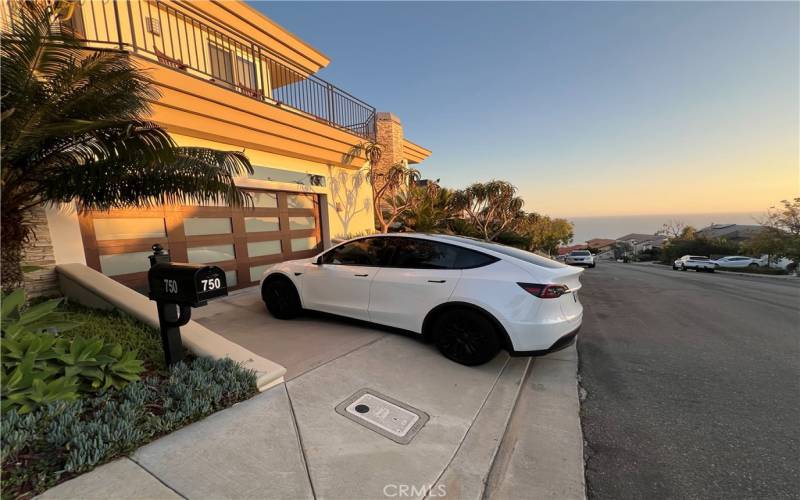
x=288, y=442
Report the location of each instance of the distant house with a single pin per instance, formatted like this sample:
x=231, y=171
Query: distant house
x=730, y=232
x=643, y=242
x=566, y=250
x=601, y=245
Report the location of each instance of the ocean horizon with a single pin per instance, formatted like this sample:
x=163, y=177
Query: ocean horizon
x=614, y=226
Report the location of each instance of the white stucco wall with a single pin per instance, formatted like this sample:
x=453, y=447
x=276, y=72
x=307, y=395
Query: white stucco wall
x=65, y=233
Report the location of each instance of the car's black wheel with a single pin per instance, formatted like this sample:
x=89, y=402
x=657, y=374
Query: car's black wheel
x=698, y=269
x=674, y=267
x=683, y=268
x=592, y=265
x=752, y=265
x=281, y=298
x=711, y=269
x=465, y=336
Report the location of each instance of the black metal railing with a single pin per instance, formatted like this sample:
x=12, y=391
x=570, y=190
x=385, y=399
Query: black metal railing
x=199, y=45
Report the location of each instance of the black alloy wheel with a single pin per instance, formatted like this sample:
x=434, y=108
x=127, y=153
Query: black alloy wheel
x=466, y=336
x=281, y=298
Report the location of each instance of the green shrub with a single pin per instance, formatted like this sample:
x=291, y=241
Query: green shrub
x=114, y=326
x=39, y=368
x=42, y=317
x=63, y=438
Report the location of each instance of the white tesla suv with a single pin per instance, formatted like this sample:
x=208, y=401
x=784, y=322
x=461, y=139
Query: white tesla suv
x=470, y=297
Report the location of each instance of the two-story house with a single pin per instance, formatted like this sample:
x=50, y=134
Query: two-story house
x=231, y=79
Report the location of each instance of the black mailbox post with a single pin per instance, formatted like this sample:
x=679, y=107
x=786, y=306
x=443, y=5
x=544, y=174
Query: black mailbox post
x=177, y=288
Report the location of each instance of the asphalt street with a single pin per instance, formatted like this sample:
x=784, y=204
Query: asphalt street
x=692, y=384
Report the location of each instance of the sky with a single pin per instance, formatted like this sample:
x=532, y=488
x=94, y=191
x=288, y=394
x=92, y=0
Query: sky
x=591, y=109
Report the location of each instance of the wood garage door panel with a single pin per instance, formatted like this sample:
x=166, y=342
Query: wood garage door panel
x=178, y=243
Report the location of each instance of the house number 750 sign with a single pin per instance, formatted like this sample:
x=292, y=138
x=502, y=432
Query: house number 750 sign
x=211, y=284
x=170, y=286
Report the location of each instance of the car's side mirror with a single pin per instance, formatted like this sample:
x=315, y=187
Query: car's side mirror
x=318, y=261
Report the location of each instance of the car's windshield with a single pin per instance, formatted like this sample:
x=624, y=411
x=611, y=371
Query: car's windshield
x=694, y=257
x=529, y=257
x=581, y=253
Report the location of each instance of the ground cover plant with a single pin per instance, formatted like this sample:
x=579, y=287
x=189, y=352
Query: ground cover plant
x=82, y=387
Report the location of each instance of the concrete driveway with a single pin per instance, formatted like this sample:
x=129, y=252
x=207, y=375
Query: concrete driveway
x=299, y=345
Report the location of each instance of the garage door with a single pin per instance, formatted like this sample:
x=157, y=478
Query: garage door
x=242, y=241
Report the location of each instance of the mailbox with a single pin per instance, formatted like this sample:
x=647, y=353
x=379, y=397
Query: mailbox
x=186, y=284
x=177, y=288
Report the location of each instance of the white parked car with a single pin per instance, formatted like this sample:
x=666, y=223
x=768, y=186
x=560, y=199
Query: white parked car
x=580, y=258
x=738, y=261
x=470, y=297
x=695, y=262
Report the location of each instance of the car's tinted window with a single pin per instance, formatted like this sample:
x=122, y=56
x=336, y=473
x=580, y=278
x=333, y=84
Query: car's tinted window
x=364, y=252
x=581, y=253
x=529, y=257
x=470, y=259
x=412, y=253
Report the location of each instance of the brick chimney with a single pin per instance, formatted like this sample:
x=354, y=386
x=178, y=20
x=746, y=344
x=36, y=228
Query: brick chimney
x=389, y=136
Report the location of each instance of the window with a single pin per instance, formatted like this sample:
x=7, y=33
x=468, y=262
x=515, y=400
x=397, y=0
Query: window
x=259, y=248
x=470, y=259
x=300, y=244
x=363, y=252
x=125, y=263
x=302, y=223
x=197, y=226
x=211, y=253
x=529, y=257
x=300, y=201
x=129, y=228
x=412, y=253
x=261, y=224
x=221, y=63
x=246, y=73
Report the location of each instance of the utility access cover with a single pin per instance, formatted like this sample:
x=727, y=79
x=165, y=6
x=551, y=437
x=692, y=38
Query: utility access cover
x=384, y=415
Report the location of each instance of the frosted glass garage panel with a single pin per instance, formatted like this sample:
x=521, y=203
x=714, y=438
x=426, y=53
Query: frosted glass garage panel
x=264, y=200
x=300, y=244
x=259, y=248
x=211, y=253
x=261, y=224
x=129, y=228
x=257, y=271
x=302, y=223
x=300, y=201
x=198, y=226
x=230, y=278
x=125, y=263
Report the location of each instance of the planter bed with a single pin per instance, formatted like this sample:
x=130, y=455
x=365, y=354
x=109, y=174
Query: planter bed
x=58, y=440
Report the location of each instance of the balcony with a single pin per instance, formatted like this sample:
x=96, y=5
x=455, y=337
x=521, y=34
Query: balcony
x=188, y=40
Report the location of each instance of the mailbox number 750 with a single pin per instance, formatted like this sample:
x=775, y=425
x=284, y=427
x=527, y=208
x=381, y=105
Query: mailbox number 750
x=211, y=284
x=170, y=286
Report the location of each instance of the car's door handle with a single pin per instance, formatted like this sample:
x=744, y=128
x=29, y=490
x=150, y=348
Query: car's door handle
x=361, y=275
x=437, y=281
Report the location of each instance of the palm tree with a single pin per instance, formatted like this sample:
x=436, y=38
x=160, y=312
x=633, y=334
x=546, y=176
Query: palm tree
x=432, y=212
x=73, y=128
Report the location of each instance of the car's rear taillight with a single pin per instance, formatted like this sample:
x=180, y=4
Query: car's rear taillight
x=544, y=291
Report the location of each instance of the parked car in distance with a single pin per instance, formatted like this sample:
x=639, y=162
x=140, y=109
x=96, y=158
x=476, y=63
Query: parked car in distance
x=736, y=261
x=470, y=297
x=580, y=258
x=695, y=262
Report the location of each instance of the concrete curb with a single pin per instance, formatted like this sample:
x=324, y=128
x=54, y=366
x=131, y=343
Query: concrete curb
x=466, y=475
x=93, y=289
x=541, y=455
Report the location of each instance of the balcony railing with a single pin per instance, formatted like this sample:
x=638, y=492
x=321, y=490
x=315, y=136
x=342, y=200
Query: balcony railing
x=190, y=41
